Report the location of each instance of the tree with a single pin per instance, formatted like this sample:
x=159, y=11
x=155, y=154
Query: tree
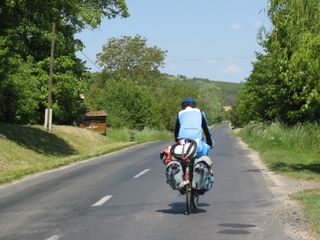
x=131, y=58
x=128, y=105
x=210, y=102
x=25, y=35
x=284, y=84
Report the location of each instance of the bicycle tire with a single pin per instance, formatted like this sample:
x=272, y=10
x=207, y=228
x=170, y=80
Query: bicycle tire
x=188, y=199
x=195, y=200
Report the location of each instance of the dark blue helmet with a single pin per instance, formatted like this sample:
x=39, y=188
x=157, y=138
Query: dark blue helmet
x=188, y=102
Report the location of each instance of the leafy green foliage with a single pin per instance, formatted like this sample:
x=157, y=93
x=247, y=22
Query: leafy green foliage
x=128, y=105
x=130, y=57
x=157, y=104
x=25, y=40
x=19, y=92
x=284, y=84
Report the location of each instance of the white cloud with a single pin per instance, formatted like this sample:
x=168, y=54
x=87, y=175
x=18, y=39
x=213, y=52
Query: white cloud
x=235, y=26
x=232, y=69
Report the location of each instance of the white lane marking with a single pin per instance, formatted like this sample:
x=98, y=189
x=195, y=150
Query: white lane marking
x=54, y=237
x=102, y=201
x=141, y=173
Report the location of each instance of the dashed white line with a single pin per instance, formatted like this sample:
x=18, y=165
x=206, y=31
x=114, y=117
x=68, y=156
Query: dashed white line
x=141, y=173
x=54, y=237
x=102, y=201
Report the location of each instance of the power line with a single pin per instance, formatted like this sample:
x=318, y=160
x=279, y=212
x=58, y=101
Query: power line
x=90, y=60
x=208, y=59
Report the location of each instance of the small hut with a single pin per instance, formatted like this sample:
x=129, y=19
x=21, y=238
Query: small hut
x=95, y=121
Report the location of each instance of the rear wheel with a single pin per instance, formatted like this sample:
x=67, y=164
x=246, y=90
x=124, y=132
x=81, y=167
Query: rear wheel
x=195, y=198
x=188, y=199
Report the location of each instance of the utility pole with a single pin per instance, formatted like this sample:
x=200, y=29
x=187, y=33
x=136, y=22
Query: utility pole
x=48, y=112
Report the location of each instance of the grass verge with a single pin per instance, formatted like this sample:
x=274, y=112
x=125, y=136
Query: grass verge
x=30, y=149
x=291, y=151
x=311, y=206
x=294, y=152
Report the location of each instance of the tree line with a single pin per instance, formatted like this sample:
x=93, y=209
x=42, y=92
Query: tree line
x=285, y=82
x=130, y=86
x=136, y=94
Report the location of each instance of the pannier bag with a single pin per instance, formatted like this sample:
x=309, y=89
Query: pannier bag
x=184, y=149
x=174, y=174
x=202, y=174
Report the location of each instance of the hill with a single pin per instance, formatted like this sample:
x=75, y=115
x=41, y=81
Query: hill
x=229, y=90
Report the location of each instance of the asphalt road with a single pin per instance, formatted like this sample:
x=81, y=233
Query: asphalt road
x=124, y=196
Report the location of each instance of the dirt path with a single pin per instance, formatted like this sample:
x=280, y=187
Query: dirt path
x=288, y=211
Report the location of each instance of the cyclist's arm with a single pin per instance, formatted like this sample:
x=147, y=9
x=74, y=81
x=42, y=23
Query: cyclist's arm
x=176, y=129
x=206, y=130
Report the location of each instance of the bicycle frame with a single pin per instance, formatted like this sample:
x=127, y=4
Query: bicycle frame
x=191, y=197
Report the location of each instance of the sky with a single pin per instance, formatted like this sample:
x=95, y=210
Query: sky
x=213, y=39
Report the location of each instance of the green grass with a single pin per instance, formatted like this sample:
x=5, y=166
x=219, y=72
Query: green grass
x=311, y=207
x=291, y=151
x=294, y=152
x=30, y=149
x=139, y=136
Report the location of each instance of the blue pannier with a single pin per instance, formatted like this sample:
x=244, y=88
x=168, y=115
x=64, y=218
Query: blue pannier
x=174, y=174
x=202, y=174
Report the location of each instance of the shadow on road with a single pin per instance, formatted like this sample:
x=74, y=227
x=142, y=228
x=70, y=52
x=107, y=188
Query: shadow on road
x=180, y=208
x=236, y=225
x=235, y=228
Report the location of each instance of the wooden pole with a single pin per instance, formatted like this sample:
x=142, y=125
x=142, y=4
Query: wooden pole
x=49, y=111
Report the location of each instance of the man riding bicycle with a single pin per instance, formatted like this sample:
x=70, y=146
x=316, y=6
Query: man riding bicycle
x=190, y=122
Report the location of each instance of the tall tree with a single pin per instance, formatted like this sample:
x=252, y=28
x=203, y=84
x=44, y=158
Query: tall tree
x=284, y=84
x=131, y=58
x=25, y=34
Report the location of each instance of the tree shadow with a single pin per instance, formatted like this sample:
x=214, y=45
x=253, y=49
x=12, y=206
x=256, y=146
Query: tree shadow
x=180, y=208
x=284, y=167
x=36, y=139
x=252, y=170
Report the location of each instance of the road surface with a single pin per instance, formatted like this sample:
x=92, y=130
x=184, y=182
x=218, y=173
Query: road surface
x=124, y=196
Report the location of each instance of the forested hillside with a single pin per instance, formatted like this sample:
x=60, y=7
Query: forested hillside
x=228, y=90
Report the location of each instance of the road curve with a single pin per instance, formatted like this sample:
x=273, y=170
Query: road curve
x=124, y=196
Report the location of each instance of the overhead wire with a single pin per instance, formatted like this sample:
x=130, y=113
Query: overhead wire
x=92, y=62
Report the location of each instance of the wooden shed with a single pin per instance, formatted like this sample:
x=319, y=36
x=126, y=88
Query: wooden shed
x=95, y=121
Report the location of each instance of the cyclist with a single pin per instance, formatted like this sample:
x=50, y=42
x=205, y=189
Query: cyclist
x=190, y=122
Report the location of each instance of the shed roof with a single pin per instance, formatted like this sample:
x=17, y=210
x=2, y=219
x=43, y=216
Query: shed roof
x=99, y=113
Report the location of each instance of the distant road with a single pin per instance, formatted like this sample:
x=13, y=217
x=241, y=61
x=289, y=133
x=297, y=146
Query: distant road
x=123, y=196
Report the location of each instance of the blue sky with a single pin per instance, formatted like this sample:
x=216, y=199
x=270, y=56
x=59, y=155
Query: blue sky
x=212, y=39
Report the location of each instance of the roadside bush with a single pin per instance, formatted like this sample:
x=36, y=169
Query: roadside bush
x=301, y=137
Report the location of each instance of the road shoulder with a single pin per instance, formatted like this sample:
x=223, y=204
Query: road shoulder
x=289, y=211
